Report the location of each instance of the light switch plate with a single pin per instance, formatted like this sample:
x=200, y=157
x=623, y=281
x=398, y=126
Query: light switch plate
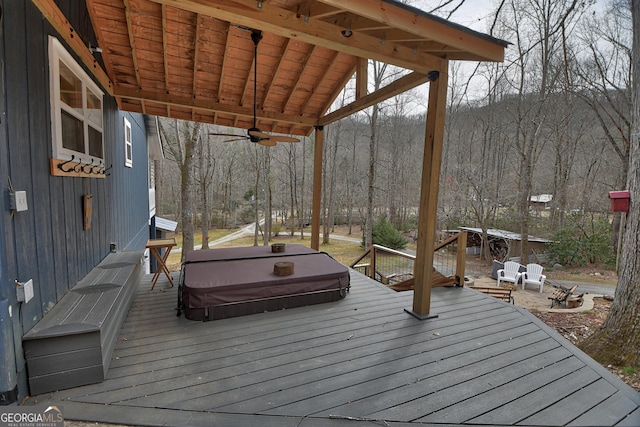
x=18, y=201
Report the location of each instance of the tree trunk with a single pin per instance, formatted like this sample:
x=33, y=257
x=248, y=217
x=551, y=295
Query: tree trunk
x=368, y=229
x=301, y=212
x=181, y=147
x=617, y=341
x=256, y=206
x=268, y=215
x=206, y=168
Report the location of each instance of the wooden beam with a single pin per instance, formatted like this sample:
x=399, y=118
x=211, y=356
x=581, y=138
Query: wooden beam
x=317, y=188
x=317, y=10
x=423, y=266
x=290, y=24
x=362, y=77
x=397, y=87
x=208, y=105
x=425, y=26
x=56, y=18
x=224, y=68
x=132, y=44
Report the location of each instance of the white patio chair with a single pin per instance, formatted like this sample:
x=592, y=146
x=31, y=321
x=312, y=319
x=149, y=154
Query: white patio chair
x=533, y=276
x=510, y=273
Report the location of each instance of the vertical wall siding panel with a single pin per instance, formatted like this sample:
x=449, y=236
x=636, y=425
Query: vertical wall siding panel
x=58, y=226
x=5, y=216
x=18, y=120
x=69, y=243
x=136, y=179
x=109, y=188
x=98, y=246
x=111, y=201
x=9, y=269
x=39, y=136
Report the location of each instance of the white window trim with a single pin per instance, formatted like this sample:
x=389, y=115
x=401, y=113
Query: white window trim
x=58, y=53
x=128, y=144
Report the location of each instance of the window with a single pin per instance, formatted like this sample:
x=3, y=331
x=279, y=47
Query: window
x=128, y=147
x=76, y=109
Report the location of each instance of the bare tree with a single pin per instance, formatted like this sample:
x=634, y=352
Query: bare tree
x=536, y=27
x=602, y=80
x=228, y=205
x=617, y=341
x=352, y=176
x=204, y=178
x=267, y=189
x=397, y=138
x=180, y=138
x=381, y=72
x=329, y=166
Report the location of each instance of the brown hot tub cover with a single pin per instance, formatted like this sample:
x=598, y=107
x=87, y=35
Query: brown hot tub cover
x=229, y=282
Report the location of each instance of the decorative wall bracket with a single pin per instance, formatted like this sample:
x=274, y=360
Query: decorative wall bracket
x=77, y=168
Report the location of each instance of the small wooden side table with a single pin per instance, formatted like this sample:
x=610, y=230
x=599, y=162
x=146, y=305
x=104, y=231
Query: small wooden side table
x=155, y=246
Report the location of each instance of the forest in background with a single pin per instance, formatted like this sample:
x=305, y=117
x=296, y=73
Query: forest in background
x=553, y=118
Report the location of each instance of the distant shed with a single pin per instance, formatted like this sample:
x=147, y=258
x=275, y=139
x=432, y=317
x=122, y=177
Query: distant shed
x=503, y=244
x=541, y=202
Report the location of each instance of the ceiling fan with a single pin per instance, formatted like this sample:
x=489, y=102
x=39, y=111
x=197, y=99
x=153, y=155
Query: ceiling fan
x=254, y=134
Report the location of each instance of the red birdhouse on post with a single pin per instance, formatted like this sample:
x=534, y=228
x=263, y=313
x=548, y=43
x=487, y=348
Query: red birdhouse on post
x=619, y=201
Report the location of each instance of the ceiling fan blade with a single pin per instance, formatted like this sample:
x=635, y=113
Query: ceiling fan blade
x=267, y=142
x=257, y=133
x=282, y=138
x=240, y=138
x=226, y=134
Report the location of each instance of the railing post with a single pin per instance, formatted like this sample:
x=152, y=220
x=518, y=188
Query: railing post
x=372, y=264
x=461, y=258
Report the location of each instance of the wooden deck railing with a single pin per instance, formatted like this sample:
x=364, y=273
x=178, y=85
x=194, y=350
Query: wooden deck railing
x=395, y=268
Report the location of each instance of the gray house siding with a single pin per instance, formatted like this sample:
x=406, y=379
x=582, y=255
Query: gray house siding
x=47, y=243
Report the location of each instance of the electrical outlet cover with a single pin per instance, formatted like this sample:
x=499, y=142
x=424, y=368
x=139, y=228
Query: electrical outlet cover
x=21, y=201
x=25, y=291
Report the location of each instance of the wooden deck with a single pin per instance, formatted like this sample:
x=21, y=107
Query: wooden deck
x=480, y=362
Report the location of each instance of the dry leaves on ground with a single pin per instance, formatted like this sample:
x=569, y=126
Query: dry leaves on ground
x=577, y=326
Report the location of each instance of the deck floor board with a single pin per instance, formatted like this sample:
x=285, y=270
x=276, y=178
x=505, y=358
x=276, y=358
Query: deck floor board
x=481, y=361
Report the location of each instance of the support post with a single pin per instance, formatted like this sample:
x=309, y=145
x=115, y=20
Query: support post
x=317, y=187
x=461, y=257
x=423, y=266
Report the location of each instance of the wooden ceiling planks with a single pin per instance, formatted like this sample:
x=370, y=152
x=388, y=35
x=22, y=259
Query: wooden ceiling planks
x=194, y=59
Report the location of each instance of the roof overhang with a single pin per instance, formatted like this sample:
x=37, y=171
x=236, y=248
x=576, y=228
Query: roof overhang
x=193, y=59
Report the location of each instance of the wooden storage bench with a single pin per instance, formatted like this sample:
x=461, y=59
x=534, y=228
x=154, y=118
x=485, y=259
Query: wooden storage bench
x=73, y=343
x=495, y=291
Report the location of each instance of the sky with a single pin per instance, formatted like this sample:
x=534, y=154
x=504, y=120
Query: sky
x=477, y=15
